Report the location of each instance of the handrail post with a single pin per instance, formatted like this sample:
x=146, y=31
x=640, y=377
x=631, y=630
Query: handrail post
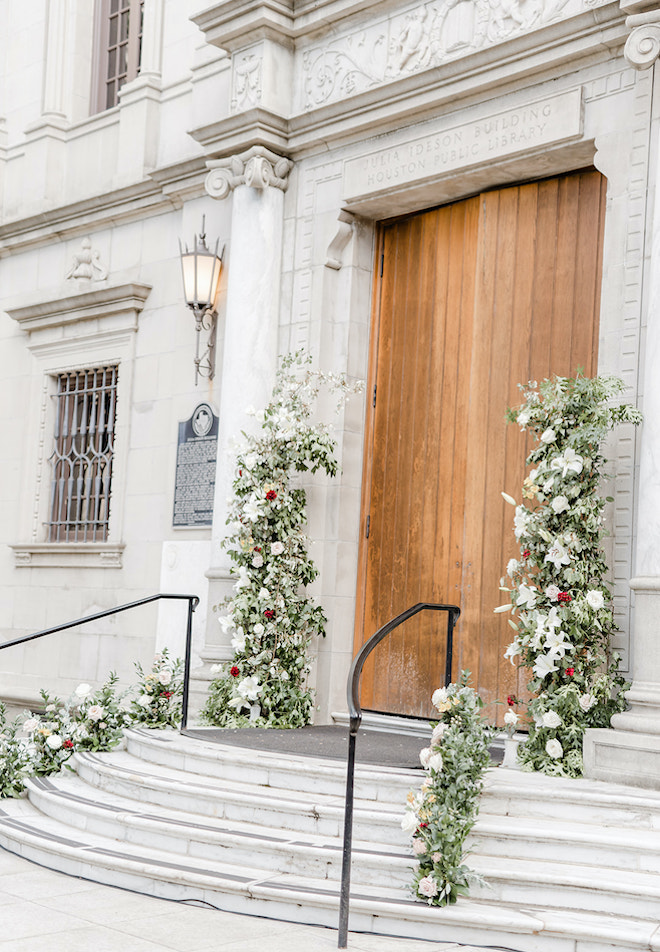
x=186, y=667
x=344, y=897
x=355, y=714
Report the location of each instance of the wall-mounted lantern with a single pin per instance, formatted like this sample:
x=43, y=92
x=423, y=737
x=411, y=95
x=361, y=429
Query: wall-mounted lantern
x=201, y=269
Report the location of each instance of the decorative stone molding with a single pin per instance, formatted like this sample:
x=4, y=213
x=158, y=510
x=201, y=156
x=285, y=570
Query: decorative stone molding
x=117, y=305
x=340, y=241
x=258, y=167
x=643, y=45
x=78, y=555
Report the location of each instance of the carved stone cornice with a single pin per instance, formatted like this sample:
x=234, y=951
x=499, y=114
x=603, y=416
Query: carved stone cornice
x=258, y=167
x=643, y=45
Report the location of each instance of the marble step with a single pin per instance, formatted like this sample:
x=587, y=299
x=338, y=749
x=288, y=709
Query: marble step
x=590, y=802
x=264, y=768
x=69, y=801
x=563, y=840
x=256, y=891
x=123, y=774
x=567, y=882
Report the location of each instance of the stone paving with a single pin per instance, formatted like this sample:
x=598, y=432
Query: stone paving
x=45, y=911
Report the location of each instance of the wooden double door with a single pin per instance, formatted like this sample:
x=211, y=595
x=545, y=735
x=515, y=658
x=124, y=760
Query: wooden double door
x=472, y=299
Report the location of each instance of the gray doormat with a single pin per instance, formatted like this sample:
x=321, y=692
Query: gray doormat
x=327, y=741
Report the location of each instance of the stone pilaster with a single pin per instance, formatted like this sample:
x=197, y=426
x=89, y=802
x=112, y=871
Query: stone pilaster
x=256, y=180
x=630, y=751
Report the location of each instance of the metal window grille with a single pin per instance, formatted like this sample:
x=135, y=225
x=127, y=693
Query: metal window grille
x=86, y=405
x=123, y=45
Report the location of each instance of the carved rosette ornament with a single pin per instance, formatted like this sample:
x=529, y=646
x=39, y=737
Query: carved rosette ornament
x=643, y=45
x=258, y=168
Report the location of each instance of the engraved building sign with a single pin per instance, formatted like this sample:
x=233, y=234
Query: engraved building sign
x=195, y=468
x=537, y=124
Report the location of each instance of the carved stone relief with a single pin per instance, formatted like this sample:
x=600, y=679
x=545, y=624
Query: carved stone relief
x=425, y=36
x=247, y=68
x=87, y=265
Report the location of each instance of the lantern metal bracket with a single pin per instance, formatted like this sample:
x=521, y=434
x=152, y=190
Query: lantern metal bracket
x=206, y=319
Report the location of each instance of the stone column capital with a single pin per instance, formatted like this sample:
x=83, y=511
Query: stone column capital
x=258, y=168
x=643, y=45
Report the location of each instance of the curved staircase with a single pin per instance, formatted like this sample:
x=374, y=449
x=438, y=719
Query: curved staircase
x=572, y=866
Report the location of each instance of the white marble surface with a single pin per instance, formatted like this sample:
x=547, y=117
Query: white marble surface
x=42, y=909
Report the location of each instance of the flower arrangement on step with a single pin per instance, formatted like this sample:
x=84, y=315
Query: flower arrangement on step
x=444, y=811
x=558, y=587
x=38, y=744
x=159, y=693
x=271, y=618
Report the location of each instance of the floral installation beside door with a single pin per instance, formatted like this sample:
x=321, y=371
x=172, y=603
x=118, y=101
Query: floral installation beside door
x=271, y=619
x=558, y=587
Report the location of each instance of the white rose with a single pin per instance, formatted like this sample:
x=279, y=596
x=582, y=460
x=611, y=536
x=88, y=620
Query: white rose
x=439, y=696
x=95, y=713
x=165, y=677
x=510, y=718
x=554, y=749
x=551, y=719
x=552, y=591
x=595, y=599
x=427, y=887
x=424, y=755
x=512, y=567
x=438, y=733
x=419, y=846
x=83, y=690
x=31, y=724
x=586, y=702
x=257, y=560
x=523, y=418
x=560, y=504
x=435, y=762
x=144, y=700
x=409, y=823
x=258, y=629
x=548, y=436
x=54, y=741
x=276, y=548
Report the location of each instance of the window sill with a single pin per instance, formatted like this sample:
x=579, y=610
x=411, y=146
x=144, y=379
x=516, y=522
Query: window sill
x=68, y=555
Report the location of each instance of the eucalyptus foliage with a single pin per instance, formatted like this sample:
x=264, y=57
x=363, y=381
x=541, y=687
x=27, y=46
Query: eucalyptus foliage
x=442, y=814
x=558, y=587
x=270, y=616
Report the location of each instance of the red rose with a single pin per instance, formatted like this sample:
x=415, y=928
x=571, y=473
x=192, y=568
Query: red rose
x=526, y=554
x=570, y=672
x=235, y=671
x=167, y=694
x=511, y=700
x=564, y=597
x=269, y=613
x=68, y=744
x=271, y=494
x=257, y=548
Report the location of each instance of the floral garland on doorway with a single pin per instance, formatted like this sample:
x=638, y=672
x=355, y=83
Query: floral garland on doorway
x=271, y=619
x=558, y=587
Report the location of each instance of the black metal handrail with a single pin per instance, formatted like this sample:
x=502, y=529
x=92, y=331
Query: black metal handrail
x=193, y=602
x=355, y=715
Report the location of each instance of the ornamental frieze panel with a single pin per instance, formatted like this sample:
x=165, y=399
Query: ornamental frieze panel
x=425, y=36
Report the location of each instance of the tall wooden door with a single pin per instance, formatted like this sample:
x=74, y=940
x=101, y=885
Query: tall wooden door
x=473, y=298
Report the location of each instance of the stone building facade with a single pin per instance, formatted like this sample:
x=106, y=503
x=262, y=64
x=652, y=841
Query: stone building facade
x=296, y=128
